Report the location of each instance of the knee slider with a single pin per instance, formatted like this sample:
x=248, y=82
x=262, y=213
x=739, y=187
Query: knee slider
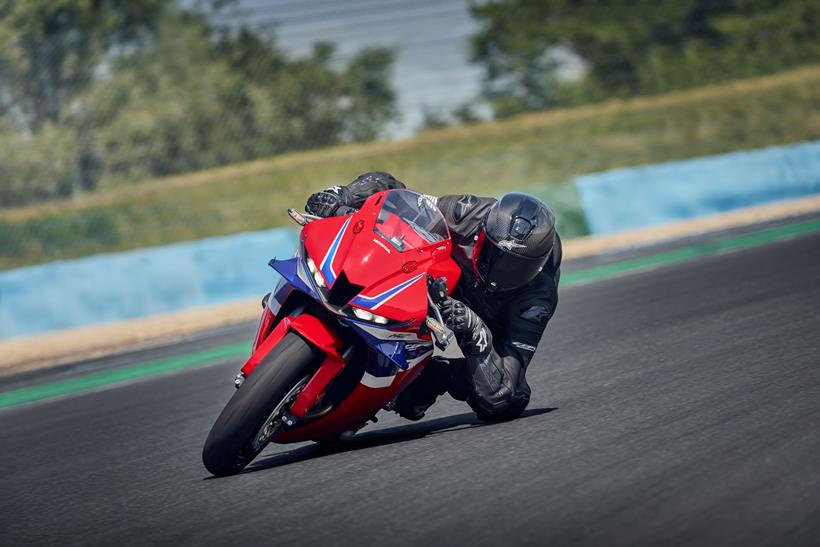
x=503, y=404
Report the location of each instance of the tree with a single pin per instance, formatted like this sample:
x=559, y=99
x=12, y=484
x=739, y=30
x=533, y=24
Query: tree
x=144, y=88
x=369, y=101
x=50, y=49
x=163, y=109
x=40, y=167
x=630, y=47
x=188, y=102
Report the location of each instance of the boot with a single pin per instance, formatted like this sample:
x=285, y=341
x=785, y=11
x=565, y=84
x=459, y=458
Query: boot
x=413, y=402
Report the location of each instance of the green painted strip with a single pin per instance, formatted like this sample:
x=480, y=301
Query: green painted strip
x=687, y=253
x=122, y=374
x=240, y=349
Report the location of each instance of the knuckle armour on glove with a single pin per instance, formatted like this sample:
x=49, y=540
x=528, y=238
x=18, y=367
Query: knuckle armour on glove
x=456, y=315
x=325, y=204
x=468, y=327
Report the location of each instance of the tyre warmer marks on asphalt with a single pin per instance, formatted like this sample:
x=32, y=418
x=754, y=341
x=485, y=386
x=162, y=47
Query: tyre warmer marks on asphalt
x=239, y=350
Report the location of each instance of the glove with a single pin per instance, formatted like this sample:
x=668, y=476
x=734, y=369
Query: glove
x=326, y=203
x=470, y=331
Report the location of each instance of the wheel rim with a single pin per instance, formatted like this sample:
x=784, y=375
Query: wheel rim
x=273, y=423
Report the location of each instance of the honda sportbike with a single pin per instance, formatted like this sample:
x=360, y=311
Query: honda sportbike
x=352, y=321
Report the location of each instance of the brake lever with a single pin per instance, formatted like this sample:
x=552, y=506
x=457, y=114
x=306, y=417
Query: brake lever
x=301, y=218
x=436, y=293
x=441, y=336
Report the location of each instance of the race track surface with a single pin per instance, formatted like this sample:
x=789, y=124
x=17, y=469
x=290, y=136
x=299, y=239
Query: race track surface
x=674, y=406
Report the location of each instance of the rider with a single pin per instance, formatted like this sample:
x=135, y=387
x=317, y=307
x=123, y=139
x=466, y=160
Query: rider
x=510, y=257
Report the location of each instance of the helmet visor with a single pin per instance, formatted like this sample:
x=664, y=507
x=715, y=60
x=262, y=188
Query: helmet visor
x=503, y=270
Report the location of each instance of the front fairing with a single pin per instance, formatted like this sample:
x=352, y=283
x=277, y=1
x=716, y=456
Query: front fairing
x=393, y=282
x=399, y=345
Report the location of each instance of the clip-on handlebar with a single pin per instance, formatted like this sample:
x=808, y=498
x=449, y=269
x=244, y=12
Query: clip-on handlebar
x=301, y=218
x=436, y=294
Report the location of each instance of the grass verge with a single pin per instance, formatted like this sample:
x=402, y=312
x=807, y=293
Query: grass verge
x=524, y=152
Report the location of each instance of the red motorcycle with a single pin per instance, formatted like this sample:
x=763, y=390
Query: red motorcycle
x=351, y=323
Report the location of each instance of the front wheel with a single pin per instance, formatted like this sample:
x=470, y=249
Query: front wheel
x=252, y=415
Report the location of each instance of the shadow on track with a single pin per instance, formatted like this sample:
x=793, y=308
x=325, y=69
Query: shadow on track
x=383, y=437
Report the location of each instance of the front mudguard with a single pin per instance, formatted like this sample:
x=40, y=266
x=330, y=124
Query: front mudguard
x=316, y=332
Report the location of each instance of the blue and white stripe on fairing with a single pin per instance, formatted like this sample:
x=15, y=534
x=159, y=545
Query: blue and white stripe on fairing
x=326, y=266
x=379, y=382
x=373, y=302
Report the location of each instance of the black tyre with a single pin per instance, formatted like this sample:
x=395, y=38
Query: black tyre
x=234, y=439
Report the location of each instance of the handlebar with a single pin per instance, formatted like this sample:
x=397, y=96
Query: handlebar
x=436, y=294
x=301, y=218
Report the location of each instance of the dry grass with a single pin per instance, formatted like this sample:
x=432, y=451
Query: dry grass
x=45, y=350
x=486, y=158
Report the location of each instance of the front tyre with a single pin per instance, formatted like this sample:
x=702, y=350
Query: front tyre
x=249, y=419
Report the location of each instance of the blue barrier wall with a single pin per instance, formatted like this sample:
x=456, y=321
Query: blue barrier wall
x=119, y=286
x=113, y=287
x=624, y=199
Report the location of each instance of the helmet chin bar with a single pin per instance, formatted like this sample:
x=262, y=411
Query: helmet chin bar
x=501, y=269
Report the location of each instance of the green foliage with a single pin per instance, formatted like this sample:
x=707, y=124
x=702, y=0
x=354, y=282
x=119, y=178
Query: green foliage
x=530, y=152
x=39, y=166
x=12, y=242
x=566, y=204
x=60, y=236
x=634, y=47
x=55, y=233
x=371, y=101
x=145, y=89
x=433, y=118
x=49, y=49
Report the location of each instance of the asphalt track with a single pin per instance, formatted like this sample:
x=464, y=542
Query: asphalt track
x=679, y=405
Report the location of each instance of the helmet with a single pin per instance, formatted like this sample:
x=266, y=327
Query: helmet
x=515, y=242
x=378, y=178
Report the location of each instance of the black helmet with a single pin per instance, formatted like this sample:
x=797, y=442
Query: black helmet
x=515, y=243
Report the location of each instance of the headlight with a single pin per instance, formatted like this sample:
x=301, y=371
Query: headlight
x=317, y=275
x=364, y=315
x=370, y=317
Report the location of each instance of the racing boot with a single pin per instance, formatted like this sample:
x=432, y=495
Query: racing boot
x=434, y=380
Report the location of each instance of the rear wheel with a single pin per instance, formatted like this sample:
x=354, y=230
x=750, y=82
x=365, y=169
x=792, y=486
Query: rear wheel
x=252, y=416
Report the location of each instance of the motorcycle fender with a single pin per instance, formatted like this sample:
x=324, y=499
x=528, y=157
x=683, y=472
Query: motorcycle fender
x=320, y=335
x=311, y=329
x=264, y=328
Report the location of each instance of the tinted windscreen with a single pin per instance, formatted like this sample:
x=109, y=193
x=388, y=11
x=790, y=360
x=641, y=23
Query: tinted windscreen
x=408, y=220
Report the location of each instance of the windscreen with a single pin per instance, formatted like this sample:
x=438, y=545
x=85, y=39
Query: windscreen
x=408, y=220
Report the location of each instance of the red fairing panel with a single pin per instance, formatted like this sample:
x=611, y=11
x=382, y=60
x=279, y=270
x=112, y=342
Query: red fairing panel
x=371, y=262
x=310, y=328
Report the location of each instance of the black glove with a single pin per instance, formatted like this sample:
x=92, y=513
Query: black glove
x=327, y=203
x=471, y=333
